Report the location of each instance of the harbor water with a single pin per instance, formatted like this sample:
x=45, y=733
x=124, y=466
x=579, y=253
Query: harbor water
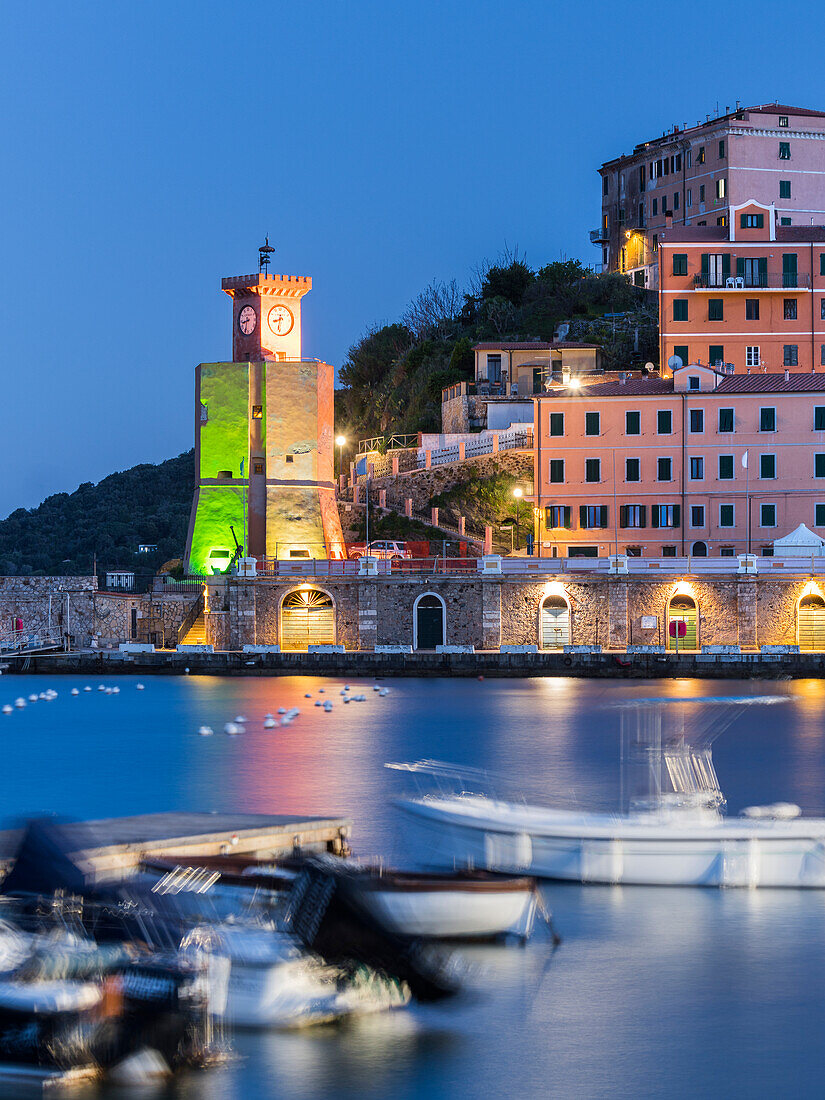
x=654, y=992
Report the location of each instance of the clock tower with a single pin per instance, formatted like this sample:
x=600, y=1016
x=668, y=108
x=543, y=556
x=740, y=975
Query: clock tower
x=266, y=316
x=264, y=436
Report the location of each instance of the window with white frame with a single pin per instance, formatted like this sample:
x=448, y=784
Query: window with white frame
x=752, y=355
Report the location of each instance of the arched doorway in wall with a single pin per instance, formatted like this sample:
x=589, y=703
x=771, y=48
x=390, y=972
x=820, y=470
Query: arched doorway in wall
x=429, y=622
x=307, y=618
x=811, y=622
x=683, y=609
x=555, y=622
x=699, y=550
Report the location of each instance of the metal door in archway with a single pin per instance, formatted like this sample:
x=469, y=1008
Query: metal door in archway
x=683, y=609
x=429, y=622
x=555, y=623
x=812, y=623
x=307, y=618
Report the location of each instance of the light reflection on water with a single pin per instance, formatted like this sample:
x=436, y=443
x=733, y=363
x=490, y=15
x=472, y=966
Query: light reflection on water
x=657, y=993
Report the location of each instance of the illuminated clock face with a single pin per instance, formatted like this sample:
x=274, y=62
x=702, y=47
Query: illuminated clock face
x=280, y=320
x=247, y=320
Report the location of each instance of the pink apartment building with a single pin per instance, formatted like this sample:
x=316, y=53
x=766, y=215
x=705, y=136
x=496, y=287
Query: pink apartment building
x=772, y=153
x=701, y=463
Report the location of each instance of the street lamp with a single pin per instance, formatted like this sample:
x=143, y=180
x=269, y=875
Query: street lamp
x=518, y=493
x=341, y=440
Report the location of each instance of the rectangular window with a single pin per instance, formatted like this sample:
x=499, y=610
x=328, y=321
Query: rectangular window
x=697, y=420
x=767, y=420
x=655, y=242
x=822, y=355
x=493, y=368
x=557, y=423
x=784, y=221
x=822, y=309
x=752, y=221
x=819, y=515
x=819, y=418
x=668, y=551
x=784, y=150
x=767, y=467
x=289, y=458
x=767, y=515
x=557, y=516
x=720, y=188
x=701, y=194
x=557, y=470
x=697, y=469
x=680, y=263
x=655, y=207
x=819, y=465
x=592, y=469
x=678, y=162
x=697, y=516
x=664, y=422
x=663, y=469
x=605, y=184
x=641, y=177
x=680, y=309
x=694, y=382
x=822, y=263
x=675, y=200
x=700, y=156
x=716, y=309
x=784, y=189
x=726, y=420
x=257, y=467
x=721, y=150
x=726, y=552
x=682, y=351
x=716, y=355
x=790, y=355
x=665, y=515
x=726, y=515
x=257, y=412
x=726, y=467
x=632, y=515
x=783, y=120
x=632, y=423
x=752, y=355
x=592, y=516
x=789, y=269
x=632, y=469
x=723, y=220
x=688, y=158
x=752, y=309
x=789, y=309
x=591, y=423
x=689, y=197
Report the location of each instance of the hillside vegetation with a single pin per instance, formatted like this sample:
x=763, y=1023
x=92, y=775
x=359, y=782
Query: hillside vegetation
x=393, y=376
x=146, y=504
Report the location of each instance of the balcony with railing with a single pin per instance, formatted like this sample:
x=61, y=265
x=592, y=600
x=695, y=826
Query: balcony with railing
x=757, y=280
x=599, y=236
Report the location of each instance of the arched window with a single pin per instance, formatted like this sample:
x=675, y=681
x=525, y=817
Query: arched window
x=811, y=622
x=429, y=622
x=307, y=618
x=555, y=622
x=682, y=623
x=700, y=550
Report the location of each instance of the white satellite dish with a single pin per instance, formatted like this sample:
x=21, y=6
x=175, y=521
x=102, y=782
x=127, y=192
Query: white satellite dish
x=675, y=362
x=649, y=367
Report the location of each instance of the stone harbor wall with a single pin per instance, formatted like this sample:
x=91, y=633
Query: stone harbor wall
x=422, y=485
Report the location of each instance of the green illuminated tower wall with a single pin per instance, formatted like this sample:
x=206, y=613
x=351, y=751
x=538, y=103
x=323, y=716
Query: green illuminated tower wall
x=222, y=446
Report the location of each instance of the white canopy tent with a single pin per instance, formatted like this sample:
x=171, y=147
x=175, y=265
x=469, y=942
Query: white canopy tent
x=800, y=543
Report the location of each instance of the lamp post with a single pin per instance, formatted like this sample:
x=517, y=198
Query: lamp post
x=341, y=440
x=518, y=493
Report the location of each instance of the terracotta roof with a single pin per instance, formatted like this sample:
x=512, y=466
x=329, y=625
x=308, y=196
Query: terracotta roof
x=531, y=345
x=782, y=109
x=633, y=387
x=772, y=383
x=678, y=234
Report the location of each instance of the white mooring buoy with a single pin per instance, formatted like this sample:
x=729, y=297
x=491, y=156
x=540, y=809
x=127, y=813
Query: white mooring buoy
x=205, y=731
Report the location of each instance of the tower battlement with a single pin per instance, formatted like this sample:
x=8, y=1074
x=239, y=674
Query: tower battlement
x=287, y=286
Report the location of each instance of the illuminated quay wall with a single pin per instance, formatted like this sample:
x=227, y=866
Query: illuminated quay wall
x=487, y=612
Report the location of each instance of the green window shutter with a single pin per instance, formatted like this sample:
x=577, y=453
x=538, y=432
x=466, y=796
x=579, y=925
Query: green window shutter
x=604, y=516
x=654, y=515
x=583, y=515
x=705, y=263
x=822, y=263
x=716, y=353
x=725, y=265
x=740, y=266
x=677, y=515
x=819, y=465
x=643, y=516
x=623, y=515
x=567, y=520
x=819, y=418
x=763, y=270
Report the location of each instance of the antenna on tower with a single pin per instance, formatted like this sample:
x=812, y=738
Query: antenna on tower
x=264, y=252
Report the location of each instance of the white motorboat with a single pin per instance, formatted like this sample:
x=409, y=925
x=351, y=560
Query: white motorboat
x=471, y=905
x=673, y=833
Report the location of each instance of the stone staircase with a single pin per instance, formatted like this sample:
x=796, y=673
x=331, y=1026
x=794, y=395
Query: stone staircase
x=196, y=634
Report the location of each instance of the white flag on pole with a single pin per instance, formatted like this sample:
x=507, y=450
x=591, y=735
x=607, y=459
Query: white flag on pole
x=745, y=461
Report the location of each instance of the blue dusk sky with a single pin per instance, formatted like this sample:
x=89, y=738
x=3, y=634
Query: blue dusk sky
x=148, y=147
